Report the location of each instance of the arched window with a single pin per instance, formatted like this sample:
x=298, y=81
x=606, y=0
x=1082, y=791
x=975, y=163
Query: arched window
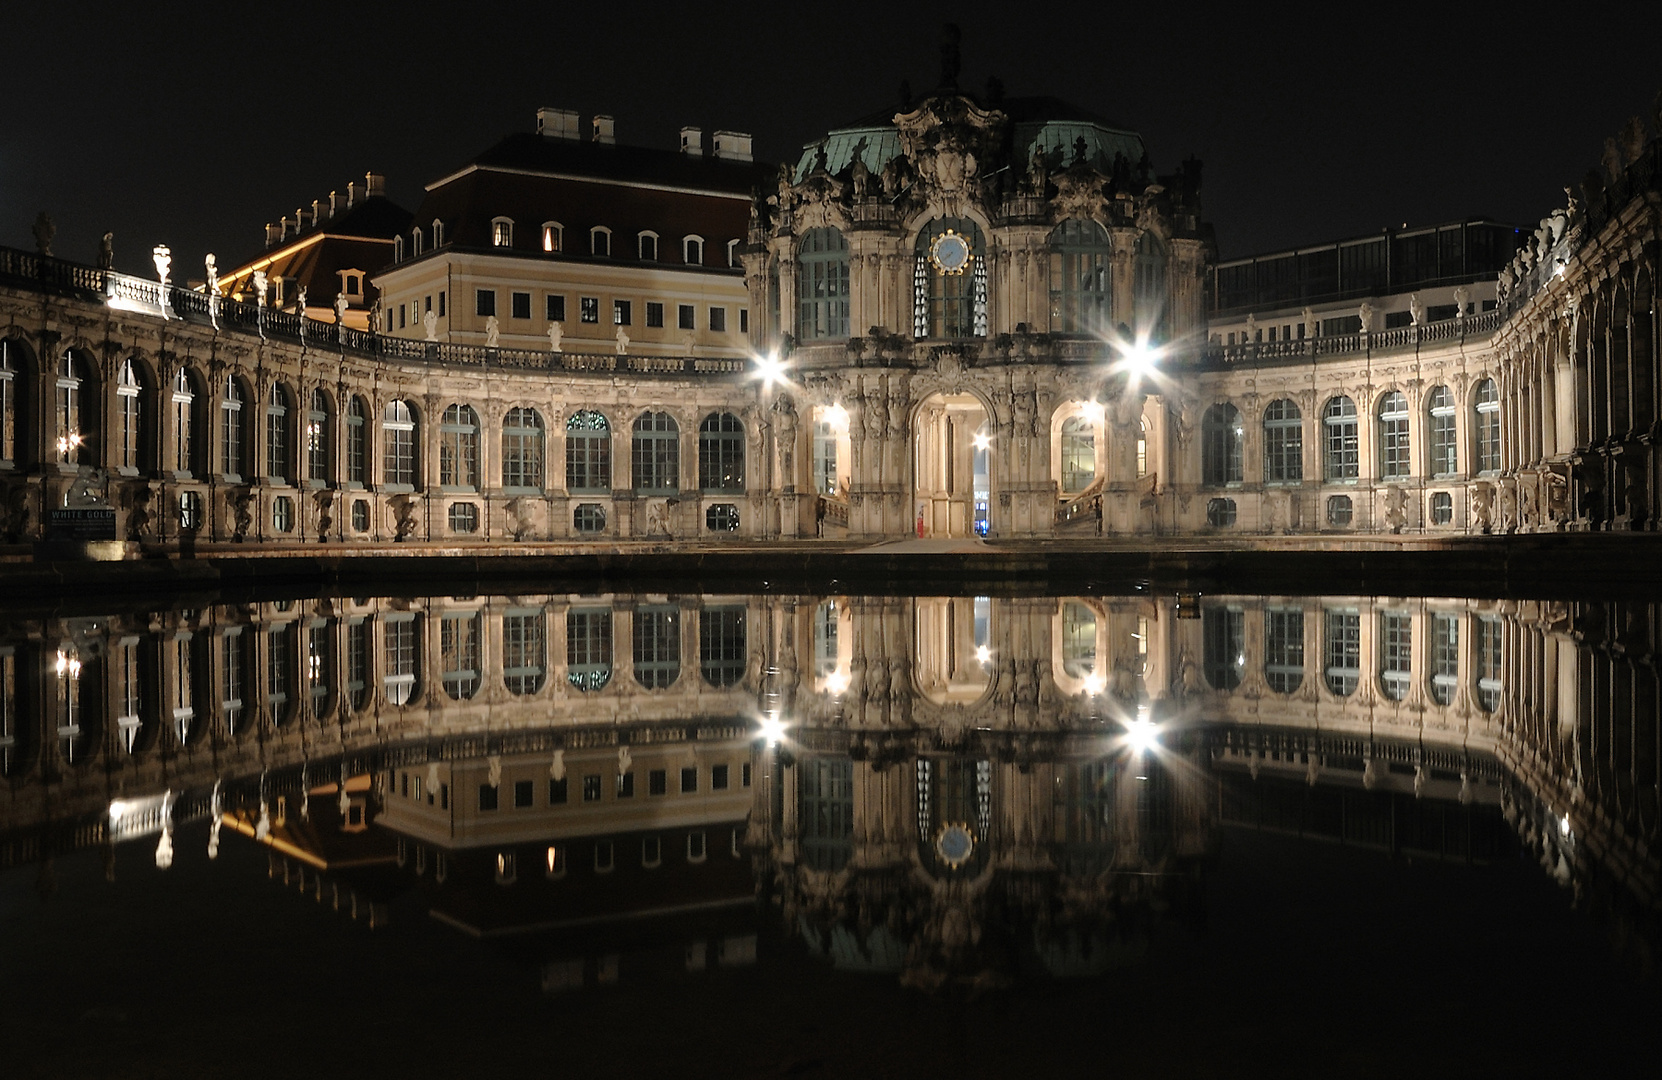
x=524, y=650
x=589, y=648
x=1396, y=653
x=1283, y=649
x=1341, y=444
x=459, y=635
x=721, y=645
x=1394, y=460
x=553, y=236
x=74, y=423
x=279, y=675
x=1444, y=453
x=1078, y=453
x=459, y=448
x=655, y=455
x=1142, y=447
x=1487, y=657
x=646, y=246
x=438, y=233
x=317, y=438
x=357, y=443
x=825, y=457
x=184, y=422
x=1283, y=443
x=277, y=433
x=1078, y=641
x=1149, y=286
x=1445, y=657
x=949, y=281
x=398, y=441
x=1080, y=257
x=692, y=250
x=522, y=451
x=231, y=429
x=502, y=232
x=822, y=287
x=721, y=454
x=657, y=646
x=600, y=241
x=10, y=378
x=1220, y=440
x=1487, y=427
x=129, y=399
x=415, y=240
x=588, y=452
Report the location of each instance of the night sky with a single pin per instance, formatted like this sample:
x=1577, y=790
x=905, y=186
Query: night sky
x=195, y=124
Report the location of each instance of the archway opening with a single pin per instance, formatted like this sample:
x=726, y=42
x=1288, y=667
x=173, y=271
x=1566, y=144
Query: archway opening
x=952, y=466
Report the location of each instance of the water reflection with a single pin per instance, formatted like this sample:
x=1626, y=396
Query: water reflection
x=963, y=792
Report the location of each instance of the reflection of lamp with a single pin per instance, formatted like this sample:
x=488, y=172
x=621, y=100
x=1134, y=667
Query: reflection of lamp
x=1142, y=735
x=770, y=369
x=836, y=682
x=1095, y=684
x=982, y=440
x=837, y=417
x=983, y=654
x=773, y=729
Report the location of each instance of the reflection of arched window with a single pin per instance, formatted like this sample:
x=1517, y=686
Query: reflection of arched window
x=1487, y=655
x=1445, y=657
x=1079, y=276
x=279, y=675
x=588, y=452
x=1394, y=457
x=129, y=391
x=589, y=648
x=949, y=281
x=399, y=660
x=822, y=289
x=231, y=429
x=459, y=448
x=1078, y=453
x=1283, y=649
x=825, y=812
x=398, y=431
x=1440, y=409
x=827, y=623
x=524, y=652
x=1396, y=652
x=657, y=646
x=1342, y=650
x=655, y=454
x=320, y=666
x=1223, y=639
x=1341, y=447
x=1220, y=441
x=72, y=682
x=1283, y=443
x=1149, y=285
x=721, y=645
x=459, y=655
x=1078, y=641
x=1487, y=426
x=721, y=454
x=522, y=450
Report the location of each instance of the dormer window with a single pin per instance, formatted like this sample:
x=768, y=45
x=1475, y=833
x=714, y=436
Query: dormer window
x=397, y=249
x=732, y=253
x=502, y=232
x=647, y=245
x=600, y=241
x=351, y=282
x=415, y=241
x=692, y=250
x=438, y=233
x=553, y=236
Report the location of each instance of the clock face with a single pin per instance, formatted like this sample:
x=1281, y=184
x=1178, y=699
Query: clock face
x=954, y=845
x=950, y=253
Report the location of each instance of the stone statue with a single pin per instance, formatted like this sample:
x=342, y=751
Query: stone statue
x=622, y=342
x=1252, y=328
x=430, y=325
x=163, y=258
x=657, y=517
x=859, y=176
x=1365, y=312
x=1612, y=160
x=261, y=284
x=493, y=330
x=340, y=308
x=556, y=331
x=557, y=766
x=300, y=302
x=493, y=773
x=1483, y=496
x=1416, y=309
x=375, y=319
x=1311, y=326
x=106, y=252
x=1038, y=171
x=44, y=232
x=520, y=519
x=211, y=267
x=1462, y=297
x=1396, y=508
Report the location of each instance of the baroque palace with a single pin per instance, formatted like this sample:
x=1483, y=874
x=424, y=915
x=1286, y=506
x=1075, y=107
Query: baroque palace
x=968, y=317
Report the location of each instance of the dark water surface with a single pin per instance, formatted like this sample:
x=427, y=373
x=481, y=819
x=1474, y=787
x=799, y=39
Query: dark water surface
x=830, y=836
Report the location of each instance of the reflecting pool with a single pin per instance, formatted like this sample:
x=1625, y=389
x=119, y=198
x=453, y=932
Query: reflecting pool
x=763, y=835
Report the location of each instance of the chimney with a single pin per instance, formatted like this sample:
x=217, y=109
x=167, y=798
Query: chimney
x=318, y=216
x=301, y=221
x=604, y=132
x=274, y=233
x=692, y=142
x=285, y=229
x=733, y=146
x=352, y=194
x=374, y=184
x=336, y=205
x=559, y=123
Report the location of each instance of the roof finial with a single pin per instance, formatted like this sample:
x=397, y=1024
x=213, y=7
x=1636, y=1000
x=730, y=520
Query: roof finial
x=950, y=60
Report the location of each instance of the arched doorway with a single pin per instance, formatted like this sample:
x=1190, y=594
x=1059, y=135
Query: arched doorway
x=952, y=452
